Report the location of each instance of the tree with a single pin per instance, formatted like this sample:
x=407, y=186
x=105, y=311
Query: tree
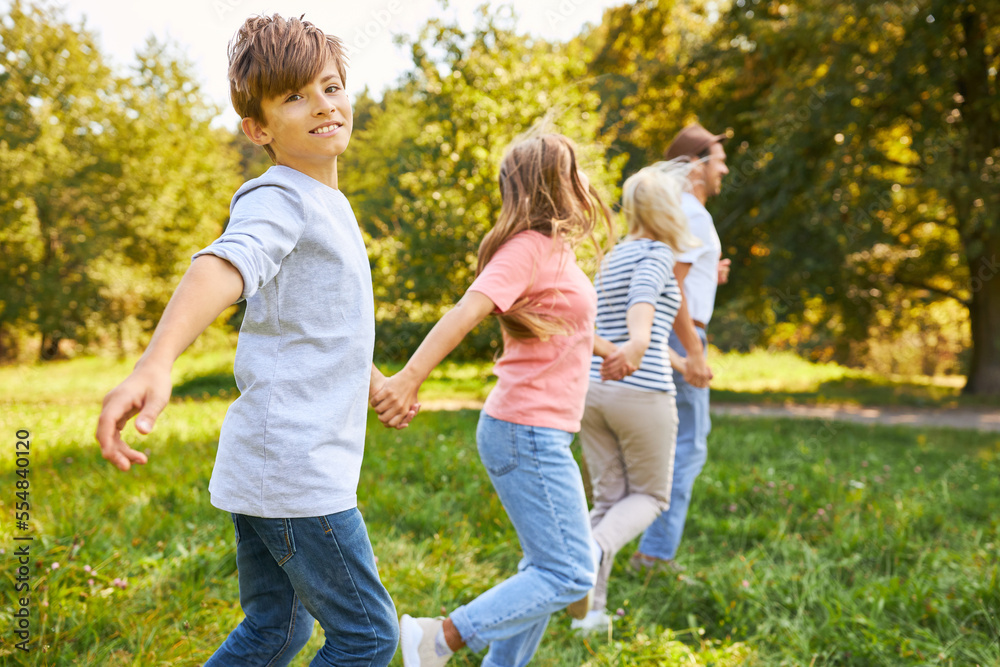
x=866, y=157
x=177, y=176
x=107, y=184
x=52, y=173
x=423, y=164
x=647, y=68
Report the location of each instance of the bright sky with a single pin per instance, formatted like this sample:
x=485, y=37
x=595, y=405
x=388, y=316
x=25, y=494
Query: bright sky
x=204, y=27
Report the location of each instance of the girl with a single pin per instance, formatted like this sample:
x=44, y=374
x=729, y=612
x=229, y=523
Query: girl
x=527, y=275
x=629, y=427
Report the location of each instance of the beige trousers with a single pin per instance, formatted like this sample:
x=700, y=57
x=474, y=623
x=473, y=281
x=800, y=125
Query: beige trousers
x=628, y=438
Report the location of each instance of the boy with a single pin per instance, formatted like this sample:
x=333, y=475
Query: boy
x=291, y=445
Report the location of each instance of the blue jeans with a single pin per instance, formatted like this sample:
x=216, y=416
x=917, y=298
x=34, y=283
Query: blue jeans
x=293, y=571
x=539, y=484
x=662, y=539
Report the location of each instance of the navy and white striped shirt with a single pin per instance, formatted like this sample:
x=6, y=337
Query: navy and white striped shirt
x=638, y=271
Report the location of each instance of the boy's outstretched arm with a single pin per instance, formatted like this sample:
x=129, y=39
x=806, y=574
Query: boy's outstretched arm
x=394, y=400
x=209, y=286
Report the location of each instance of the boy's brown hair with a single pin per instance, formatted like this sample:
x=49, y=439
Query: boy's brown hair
x=271, y=55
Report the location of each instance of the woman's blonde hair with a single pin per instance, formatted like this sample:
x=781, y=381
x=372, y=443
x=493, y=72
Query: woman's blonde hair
x=651, y=202
x=541, y=190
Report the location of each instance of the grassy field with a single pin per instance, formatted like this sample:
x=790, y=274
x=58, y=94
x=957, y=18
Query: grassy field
x=756, y=377
x=765, y=378
x=808, y=543
x=782, y=377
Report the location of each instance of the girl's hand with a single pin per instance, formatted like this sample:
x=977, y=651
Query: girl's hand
x=396, y=401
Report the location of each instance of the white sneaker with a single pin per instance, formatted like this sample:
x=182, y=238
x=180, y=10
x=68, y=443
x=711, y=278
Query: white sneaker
x=596, y=619
x=417, y=638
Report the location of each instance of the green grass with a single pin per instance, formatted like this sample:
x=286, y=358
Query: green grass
x=756, y=377
x=807, y=544
x=783, y=377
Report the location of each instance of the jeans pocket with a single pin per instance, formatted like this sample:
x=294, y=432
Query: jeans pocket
x=236, y=528
x=497, y=443
x=277, y=536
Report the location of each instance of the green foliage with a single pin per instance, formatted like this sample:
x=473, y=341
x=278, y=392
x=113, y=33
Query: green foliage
x=50, y=156
x=865, y=159
x=397, y=338
x=422, y=167
x=807, y=542
x=666, y=648
x=648, y=69
x=860, y=211
x=107, y=184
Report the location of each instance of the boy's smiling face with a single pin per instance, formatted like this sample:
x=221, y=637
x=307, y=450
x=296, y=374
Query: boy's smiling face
x=307, y=128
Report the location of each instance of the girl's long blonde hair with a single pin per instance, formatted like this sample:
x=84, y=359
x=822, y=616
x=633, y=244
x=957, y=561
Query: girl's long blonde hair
x=541, y=190
x=651, y=202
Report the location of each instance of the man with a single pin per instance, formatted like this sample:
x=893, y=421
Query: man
x=699, y=271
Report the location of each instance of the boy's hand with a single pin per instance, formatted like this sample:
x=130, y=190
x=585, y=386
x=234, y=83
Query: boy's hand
x=377, y=382
x=145, y=393
x=396, y=401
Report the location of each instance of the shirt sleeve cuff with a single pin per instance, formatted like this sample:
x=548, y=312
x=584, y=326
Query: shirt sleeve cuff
x=239, y=262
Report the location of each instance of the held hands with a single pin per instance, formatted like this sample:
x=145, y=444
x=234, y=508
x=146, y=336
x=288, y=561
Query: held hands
x=697, y=373
x=395, y=400
x=145, y=393
x=624, y=361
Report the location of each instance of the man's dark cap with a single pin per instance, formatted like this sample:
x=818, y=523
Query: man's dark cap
x=692, y=141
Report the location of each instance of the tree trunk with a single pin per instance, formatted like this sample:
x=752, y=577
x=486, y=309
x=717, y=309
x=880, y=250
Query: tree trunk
x=9, y=344
x=984, y=313
x=982, y=239
x=50, y=346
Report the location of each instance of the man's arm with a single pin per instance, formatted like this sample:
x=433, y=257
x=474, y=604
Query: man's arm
x=698, y=373
x=209, y=286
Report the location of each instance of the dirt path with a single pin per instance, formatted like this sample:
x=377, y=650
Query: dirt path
x=960, y=418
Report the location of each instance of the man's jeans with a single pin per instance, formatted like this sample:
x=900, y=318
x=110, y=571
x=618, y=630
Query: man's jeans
x=539, y=484
x=662, y=539
x=292, y=571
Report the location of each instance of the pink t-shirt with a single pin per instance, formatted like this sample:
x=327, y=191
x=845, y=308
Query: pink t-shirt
x=541, y=383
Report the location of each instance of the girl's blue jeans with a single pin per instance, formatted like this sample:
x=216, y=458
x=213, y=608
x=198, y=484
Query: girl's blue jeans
x=295, y=571
x=538, y=481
